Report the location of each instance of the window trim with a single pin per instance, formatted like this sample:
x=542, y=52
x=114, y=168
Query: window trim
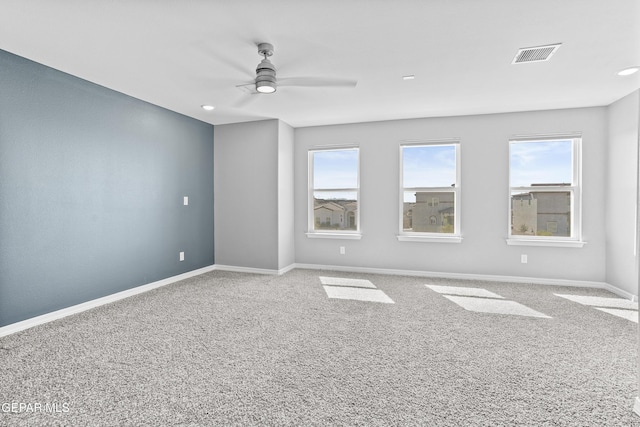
x=331, y=234
x=575, y=191
x=430, y=237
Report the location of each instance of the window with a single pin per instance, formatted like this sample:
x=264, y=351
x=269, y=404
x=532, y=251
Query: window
x=333, y=193
x=544, y=176
x=430, y=192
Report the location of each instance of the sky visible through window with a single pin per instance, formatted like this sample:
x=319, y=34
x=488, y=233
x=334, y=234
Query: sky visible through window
x=335, y=169
x=429, y=166
x=540, y=162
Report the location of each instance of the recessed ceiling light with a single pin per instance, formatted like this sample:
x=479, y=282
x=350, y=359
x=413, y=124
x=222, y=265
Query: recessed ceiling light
x=628, y=71
x=208, y=107
x=408, y=77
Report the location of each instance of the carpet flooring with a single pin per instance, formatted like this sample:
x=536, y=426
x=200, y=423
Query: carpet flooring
x=225, y=349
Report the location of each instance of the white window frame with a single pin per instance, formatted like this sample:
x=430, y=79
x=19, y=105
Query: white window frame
x=575, y=190
x=331, y=234
x=428, y=237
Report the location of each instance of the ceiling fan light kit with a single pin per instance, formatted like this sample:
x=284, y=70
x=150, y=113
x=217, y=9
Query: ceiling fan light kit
x=266, y=71
x=267, y=82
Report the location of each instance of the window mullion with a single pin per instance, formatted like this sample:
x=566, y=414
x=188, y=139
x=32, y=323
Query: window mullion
x=431, y=189
x=337, y=189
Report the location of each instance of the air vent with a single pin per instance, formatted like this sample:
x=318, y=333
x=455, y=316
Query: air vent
x=535, y=54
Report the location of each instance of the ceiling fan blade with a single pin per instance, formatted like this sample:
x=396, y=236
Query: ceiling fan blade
x=211, y=56
x=244, y=101
x=247, y=96
x=249, y=88
x=316, y=82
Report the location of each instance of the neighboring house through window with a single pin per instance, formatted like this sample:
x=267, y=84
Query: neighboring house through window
x=544, y=176
x=334, y=192
x=430, y=191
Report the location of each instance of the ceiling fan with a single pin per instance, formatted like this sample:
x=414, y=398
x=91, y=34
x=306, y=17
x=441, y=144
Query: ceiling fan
x=266, y=80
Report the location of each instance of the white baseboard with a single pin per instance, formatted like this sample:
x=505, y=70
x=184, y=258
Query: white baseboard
x=287, y=269
x=620, y=292
x=238, y=269
x=485, y=277
x=59, y=314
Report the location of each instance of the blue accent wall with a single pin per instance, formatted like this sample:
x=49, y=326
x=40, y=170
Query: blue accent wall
x=91, y=191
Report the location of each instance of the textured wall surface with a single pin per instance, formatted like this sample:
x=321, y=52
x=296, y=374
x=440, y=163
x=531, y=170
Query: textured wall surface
x=91, y=191
x=621, y=195
x=286, y=201
x=246, y=175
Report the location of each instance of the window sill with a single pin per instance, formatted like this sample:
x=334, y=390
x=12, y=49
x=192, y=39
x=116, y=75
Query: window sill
x=548, y=243
x=429, y=239
x=344, y=236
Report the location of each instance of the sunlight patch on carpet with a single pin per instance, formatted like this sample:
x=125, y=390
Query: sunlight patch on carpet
x=459, y=290
x=359, y=294
x=340, y=281
x=601, y=301
x=631, y=315
x=494, y=306
x=620, y=307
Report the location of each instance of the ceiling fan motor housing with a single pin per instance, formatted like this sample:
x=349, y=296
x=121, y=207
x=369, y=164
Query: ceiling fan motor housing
x=265, y=71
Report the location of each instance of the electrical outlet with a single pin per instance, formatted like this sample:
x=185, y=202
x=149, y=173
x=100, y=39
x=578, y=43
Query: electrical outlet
x=523, y=259
x=185, y=200
x=181, y=256
x=342, y=250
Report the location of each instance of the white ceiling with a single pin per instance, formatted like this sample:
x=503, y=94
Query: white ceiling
x=181, y=54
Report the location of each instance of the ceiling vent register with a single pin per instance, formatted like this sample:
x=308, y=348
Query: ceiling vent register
x=535, y=54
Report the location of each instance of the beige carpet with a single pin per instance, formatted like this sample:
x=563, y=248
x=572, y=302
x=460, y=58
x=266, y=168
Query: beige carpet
x=239, y=349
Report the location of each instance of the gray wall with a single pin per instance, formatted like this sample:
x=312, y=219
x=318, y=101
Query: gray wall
x=621, y=194
x=246, y=188
x=91, y=190
x=286, y=236
x=485, y=197
x=254, y=195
